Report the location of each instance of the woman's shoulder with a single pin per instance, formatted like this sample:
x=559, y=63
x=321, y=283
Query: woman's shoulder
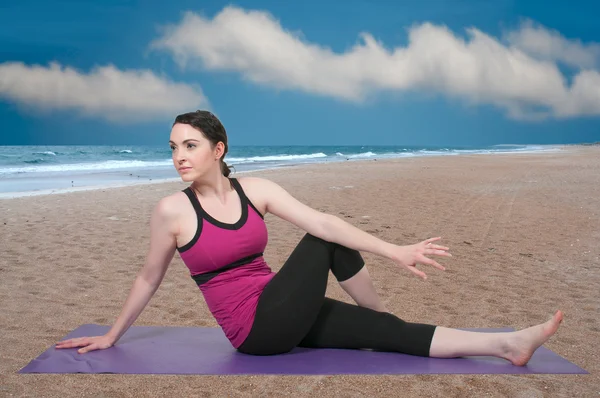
x=172, y=204
x=257, y=191
x=257, y=187
x=255, y=183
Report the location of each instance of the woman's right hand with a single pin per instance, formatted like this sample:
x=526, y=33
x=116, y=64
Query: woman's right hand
x=410, y=256
x=87, y=343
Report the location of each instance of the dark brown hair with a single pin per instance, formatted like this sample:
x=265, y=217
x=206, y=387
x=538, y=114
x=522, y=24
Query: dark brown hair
x=210, y=126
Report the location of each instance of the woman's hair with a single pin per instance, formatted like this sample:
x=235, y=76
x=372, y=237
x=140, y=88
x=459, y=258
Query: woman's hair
x=211, y=128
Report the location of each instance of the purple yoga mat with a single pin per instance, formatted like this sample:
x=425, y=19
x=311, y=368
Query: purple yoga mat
x=206, y=351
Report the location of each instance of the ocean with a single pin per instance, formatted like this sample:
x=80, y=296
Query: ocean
x=31, y=170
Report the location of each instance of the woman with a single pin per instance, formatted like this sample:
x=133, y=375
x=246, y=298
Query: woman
x=216, y=224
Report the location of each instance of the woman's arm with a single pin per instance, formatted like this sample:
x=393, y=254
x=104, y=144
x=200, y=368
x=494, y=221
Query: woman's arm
x=333, y=229
x=322, y=225
x=162, y=248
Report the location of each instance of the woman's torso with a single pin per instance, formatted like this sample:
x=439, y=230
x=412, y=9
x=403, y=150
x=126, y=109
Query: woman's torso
x=224, y=254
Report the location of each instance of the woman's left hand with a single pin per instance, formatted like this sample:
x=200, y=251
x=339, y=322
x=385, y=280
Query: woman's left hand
x=410, y=256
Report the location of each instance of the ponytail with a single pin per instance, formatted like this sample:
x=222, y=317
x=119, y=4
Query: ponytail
x=225, y=169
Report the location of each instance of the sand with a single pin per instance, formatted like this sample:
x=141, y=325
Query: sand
x=523, y=230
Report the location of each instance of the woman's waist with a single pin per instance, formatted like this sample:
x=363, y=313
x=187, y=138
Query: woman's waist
x=246, y=266
x=240, y=278
x=231, y=293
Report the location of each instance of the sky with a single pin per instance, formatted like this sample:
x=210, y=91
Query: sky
x=358, y=72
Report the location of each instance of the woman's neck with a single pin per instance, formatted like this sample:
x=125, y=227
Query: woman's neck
x=217, y=187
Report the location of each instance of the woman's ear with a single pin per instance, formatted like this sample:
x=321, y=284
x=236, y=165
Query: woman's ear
x=219, y=150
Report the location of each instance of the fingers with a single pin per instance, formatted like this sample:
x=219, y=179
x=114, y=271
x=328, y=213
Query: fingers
x=86, y=343
x=429, y=244
x=436, y=264
x=76, y=342
x=88, y=348
x=68, y=343
x=438, y=247
x=418, y=273
x=428, y=261
x=437, y=252
x=429, y=249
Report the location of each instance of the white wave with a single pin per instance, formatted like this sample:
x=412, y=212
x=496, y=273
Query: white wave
x=403, y=155
x=259, y=161
x=506, y=149
x=98, y=166
x=536, y=148
x=362, y=155
x=273, y=158
x=126, y=151
x=475, y=151
x=436, y=153
x=45, y=153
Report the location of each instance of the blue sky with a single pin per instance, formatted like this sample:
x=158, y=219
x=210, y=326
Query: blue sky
x=436, y=73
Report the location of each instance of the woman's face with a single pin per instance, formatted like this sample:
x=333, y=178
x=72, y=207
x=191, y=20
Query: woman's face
x=193, y=156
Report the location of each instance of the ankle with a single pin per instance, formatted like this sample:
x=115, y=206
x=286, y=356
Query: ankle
x=504, y=345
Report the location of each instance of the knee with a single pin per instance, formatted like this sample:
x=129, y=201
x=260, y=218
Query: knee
x=313, y=238
x=332, y=246
x=315, y=242
x=346, y=263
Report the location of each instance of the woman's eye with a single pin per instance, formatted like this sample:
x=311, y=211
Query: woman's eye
x=189, y=145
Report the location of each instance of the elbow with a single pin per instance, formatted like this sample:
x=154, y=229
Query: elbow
x=153, y=283
x=148, y=280
x=151, y=277
x=328, y=227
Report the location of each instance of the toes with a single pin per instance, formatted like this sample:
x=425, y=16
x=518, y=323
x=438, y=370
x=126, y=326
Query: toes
x=557, y=318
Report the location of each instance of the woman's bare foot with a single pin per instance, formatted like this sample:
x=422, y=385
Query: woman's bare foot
x=520, y=345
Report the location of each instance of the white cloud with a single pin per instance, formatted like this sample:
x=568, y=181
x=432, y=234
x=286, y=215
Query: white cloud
x=105, y=92
x=544, y=43
x=480, y=69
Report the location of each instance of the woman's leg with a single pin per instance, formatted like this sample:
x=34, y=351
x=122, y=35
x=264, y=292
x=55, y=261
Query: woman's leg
x=360, y=288
x=517, y=347
x=291, y=301
x=293, y=311
x=342, y=325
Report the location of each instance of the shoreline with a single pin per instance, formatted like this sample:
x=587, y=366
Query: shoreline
x=62, y=191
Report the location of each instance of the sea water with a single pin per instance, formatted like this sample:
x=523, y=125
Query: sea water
x=27, y=170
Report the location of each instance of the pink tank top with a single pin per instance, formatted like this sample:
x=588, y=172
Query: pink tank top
x=226, y=261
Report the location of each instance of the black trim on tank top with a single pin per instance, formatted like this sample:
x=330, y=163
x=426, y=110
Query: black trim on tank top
x=239, y=223
x=192, y=196
x=241, y=192
x=201, y=214
x=203, y=278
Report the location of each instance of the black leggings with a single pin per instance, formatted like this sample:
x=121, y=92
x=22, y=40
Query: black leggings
x=293, y=311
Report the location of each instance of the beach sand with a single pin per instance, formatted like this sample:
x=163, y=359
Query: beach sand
x=523, y=230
